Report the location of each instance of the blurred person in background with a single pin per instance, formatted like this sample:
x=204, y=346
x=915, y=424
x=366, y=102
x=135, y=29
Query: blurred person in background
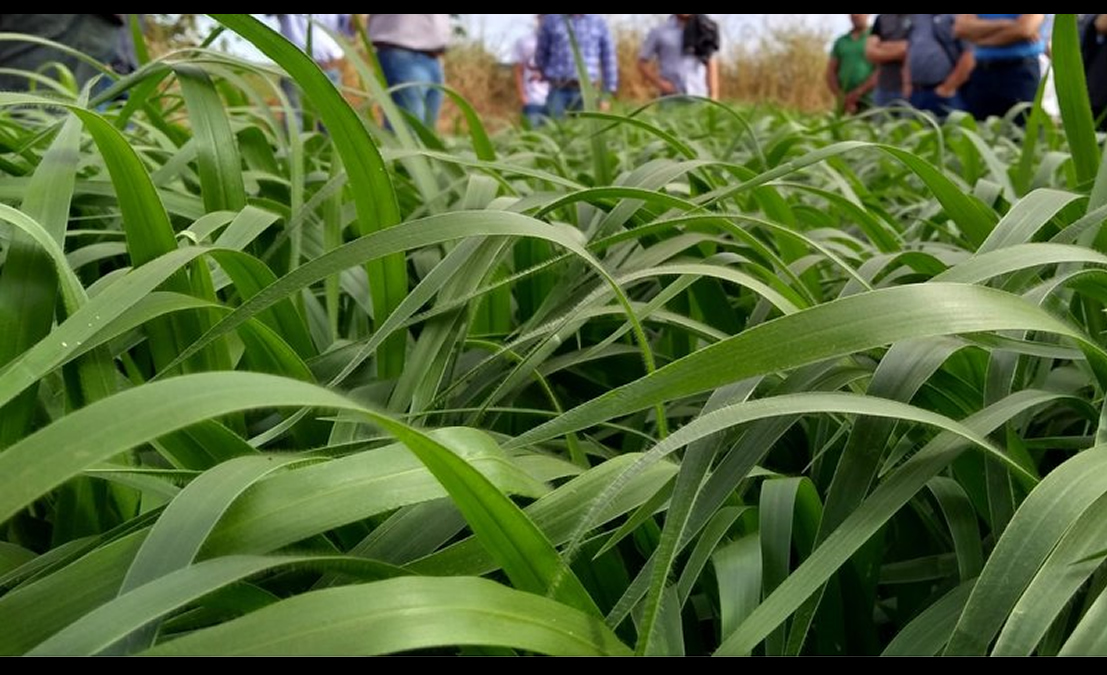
x=315, y=32
x=937, y=64
x=1007, y=48
x=96, y=35
x=886, y=49
x=318, y=30
x=670, y=64
x=1093, y=47
x=531, y=87
x=849, y=75
x=554, y=57
x=409, y=48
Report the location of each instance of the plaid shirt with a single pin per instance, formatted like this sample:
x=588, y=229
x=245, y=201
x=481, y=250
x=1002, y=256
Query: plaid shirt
x=554, y=54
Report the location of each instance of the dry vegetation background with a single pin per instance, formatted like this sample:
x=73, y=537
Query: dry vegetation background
x=770, y=64
x=778, y=66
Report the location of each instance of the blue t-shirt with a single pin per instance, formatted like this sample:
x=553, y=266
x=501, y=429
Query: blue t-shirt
x=1017, y=50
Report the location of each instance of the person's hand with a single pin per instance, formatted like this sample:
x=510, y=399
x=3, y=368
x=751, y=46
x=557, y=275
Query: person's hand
x=945, y=91
x=851, y=102
x=666, y=86
x=605, y=105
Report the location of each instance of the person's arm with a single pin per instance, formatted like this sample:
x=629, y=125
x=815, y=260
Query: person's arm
x=647, y=67
x=880, y=51
x=854, y=96
x=905, y=76
x=974, y=29
x=520, y=83
x=832, y=77
x=650, y=73
x=713, y=78
x=1026, y=28
x=998, y=32
x=958, y=76
x=1101, y=24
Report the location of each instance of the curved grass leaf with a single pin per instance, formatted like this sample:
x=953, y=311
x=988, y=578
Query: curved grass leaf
x=894, y=492
x=402, y=615
x=82, y=439
x=833, y=329
x=109, y=624
x=374, y=195
x=1038, y=525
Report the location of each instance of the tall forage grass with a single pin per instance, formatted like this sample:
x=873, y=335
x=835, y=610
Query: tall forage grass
x=782, y=384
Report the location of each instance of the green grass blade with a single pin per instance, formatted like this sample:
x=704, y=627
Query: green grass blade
x=374, y=196
x=962, y=522
x=409, y=235
x=1026, y=217
x=738, y=569
x=109, y=624
x=405, y=614
x=47, y=605
x=220, y=166
x=29, y=279
x=1066, y=569
x=83, y=325
x=928, y=632
x=783, y=501
x=904, y=369
x=1072, y=96
x=1038, y=525
x=1089, y=638
x=85, y=437
x=295, y=505
x=833, y=329
x=185, y=524
x=894, y=492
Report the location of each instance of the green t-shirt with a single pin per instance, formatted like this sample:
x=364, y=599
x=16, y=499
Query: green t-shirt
x=853, y=67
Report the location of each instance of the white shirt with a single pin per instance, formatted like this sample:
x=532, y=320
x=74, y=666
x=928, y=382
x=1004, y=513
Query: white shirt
x=324, y=48
x=666, y=44
x=535, y=89
x=419, y=32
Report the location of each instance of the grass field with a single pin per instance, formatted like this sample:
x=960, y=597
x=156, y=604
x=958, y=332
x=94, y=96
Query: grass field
x=712, y=380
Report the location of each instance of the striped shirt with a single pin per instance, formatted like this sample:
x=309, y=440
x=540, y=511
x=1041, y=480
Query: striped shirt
x=554, y=54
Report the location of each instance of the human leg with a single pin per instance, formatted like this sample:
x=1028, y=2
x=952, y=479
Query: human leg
x=400, y=67
x=534, y=115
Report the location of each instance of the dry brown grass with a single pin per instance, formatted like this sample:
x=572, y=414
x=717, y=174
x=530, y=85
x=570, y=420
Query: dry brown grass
x=781, y=66
x=487, y=85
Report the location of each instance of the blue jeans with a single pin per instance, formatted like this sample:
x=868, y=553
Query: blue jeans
x=534, y=115
x=402, y=66
x=996, y=86
x=884, y=98
x=292, y=91
x=929, y=101
x=561, y=100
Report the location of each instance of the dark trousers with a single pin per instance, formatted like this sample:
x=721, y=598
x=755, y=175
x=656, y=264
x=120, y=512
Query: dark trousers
x=925, y=98
x=996, y=86
x=93, y=34
x=563, y=99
